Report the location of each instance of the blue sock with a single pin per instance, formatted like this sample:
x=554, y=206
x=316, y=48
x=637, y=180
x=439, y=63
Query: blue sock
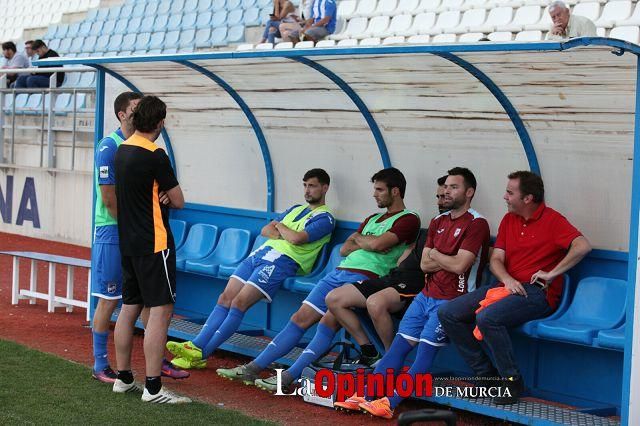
x=100, y=351
x=422, y=364
x=226, y=329
x=320, y=343
x=393, y=359
x=280, y=345
x=216, y=317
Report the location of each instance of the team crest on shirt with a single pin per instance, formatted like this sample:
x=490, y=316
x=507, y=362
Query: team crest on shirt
x=104, y=172
x=111, y=287
x=457, y=232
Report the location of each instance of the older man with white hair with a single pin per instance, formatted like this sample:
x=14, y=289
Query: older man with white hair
x=565, y=25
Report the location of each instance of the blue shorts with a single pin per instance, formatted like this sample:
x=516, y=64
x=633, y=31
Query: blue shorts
x=421, y=324
x=336, y=278
x=266, y=269
x=106, y=276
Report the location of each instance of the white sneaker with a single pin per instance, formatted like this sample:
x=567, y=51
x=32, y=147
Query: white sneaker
x=121, y=387
x=164, y=397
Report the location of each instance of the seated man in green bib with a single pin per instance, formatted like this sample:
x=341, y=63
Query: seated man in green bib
x=372, y=251
x=296, y=237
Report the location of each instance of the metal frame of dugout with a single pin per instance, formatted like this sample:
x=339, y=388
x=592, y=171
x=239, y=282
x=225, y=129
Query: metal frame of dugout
x=558, y=371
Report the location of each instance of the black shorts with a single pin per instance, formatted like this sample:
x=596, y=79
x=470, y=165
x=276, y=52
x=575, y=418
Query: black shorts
x=407, y=283
x=149, y=280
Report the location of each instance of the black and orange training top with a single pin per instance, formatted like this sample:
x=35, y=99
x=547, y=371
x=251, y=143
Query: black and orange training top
x=143, y=170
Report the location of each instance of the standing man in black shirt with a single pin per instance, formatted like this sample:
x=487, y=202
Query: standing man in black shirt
x=42, y=79
x=146, y=187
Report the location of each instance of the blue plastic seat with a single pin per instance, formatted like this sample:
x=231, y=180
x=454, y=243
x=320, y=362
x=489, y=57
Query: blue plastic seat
x=164, y=7
x=247, y=4
x=235, y=17
x=62, y=103
x=122, y=26
x=152, y=8
x=200, y=242
x=190, y=6
x=114, y=42
x=142, y=41
x=230, y=250
x=51, y=32
x=171, y=39
x=530, y=328
x=217, y=5
x=189, y=21
x=233, y=4
x=103, y=14
x=54, y=44
x=204, y=6
x=73, y=30
x=157, y=40
x=91, y=15
x=225, y=271
x=61, y=31
x=114, y=12
x=252, y=16
x=76, y=45
x=21, y=102
x=179, y=231
x=128, y=41
x=598, y=304
x=96, y=28
x=147, y=25
x=109, y=27
x=174, y=22
x=219, y=36
x=187, y=38
x=161, y=22
x=219, y=19
x=265, y=14
x=85, y=28
x=154, y=51
x=101, y=43
x=613, y=339
x=8, y=103
x=186, y=49
x=204, y=20
x=65, y=44
x=134, y=25
x=177, y=6
x=139, y=52
x=127, y=11
x=140, y=9
x=203, y=38
x=235, y=34
x=306, y=283
x=170, y=51
x=264, y=3
x=34, y=104
x=89, y=44
x=71, y=79
x=87, y=79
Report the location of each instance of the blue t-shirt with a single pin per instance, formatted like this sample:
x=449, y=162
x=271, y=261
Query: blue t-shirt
x=316, y=227
x=323, y=8
x=105, y=154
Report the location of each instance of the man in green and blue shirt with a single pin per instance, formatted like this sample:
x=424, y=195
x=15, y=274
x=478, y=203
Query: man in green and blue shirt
x=106, y=279
x=371, y=251
x=295, y=238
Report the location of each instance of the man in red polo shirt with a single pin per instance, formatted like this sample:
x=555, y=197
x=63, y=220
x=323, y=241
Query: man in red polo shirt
x=534, y=247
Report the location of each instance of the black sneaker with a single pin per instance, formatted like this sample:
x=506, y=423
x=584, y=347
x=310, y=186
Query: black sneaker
x=370, y=361
x=515, y=386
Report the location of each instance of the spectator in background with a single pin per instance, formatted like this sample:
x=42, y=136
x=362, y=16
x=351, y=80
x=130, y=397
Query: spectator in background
x=42, y=79
x=13, y=60
x=282, y=10
x=321, y=23
x=28, y=50
x=565, y=25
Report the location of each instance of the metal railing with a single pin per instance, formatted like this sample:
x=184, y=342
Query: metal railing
x=47, y=111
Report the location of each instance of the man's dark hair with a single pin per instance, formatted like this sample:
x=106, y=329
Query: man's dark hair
x=530, y=184
x=391, y=177
x=37, y=44
x=469, y=178
x=28, y=42
x=148, y=114
x=9, y=45
x=320, y=174
x=442, y=180
x=123, y=100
